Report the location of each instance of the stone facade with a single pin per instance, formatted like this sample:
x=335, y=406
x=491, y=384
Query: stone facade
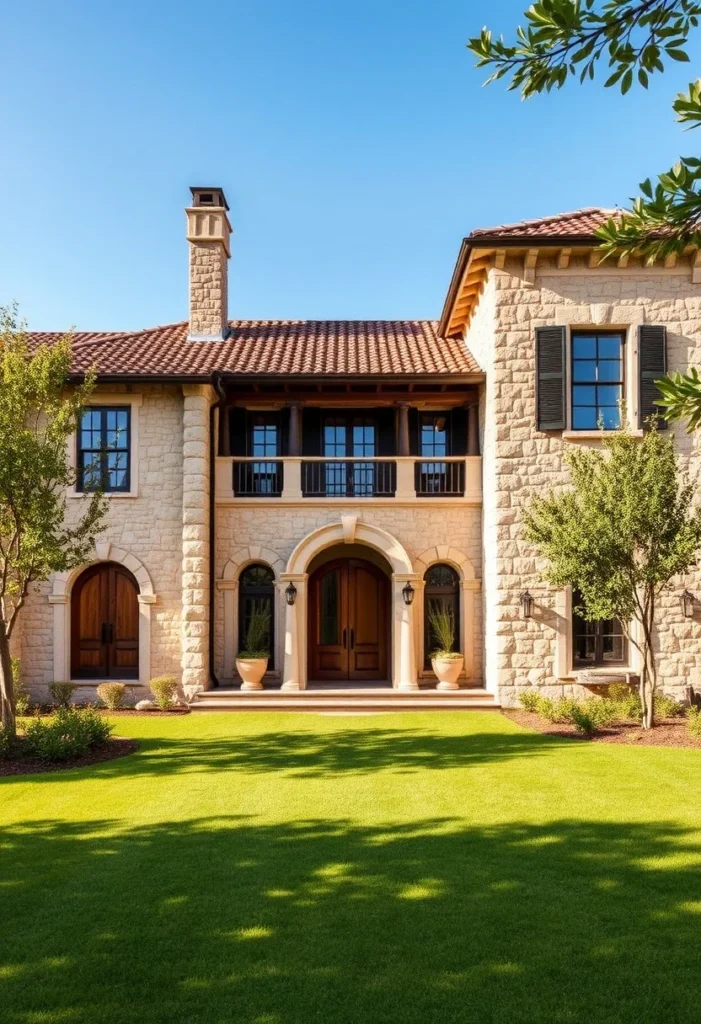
x=208, y=289
x=520, y=461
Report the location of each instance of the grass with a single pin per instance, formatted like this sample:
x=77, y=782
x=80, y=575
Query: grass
x=286, y=869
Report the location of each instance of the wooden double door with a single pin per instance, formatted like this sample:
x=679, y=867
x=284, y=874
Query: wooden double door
x=348, y=621
x=105, y=624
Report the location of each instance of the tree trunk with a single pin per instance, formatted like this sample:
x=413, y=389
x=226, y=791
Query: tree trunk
x=7, y=689
x=648, y=680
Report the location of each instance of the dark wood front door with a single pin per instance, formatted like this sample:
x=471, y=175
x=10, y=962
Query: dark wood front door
x=105, y=624
x=348, y=622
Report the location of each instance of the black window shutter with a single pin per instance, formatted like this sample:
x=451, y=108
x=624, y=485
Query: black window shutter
x=283, y=445
x=414, y=432
x=551, y=398
x=652, y=364
x=458, y=431
x=238, y=444
x=311, y=431
x=386, y=443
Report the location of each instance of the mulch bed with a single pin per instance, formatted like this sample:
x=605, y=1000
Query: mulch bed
x=48, y=710
x=669, y=732
x=113, y=748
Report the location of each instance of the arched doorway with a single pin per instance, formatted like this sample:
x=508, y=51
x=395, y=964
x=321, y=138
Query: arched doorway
x=105, y=624
x=348, y=621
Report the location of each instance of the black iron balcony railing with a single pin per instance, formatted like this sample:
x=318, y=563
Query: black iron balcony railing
x=439, y=479
x=349, y=479
x=258, y=479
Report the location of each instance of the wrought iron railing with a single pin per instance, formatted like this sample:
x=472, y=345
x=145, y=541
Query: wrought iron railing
x=258, y=479
x=439, y=479
x=349, y=479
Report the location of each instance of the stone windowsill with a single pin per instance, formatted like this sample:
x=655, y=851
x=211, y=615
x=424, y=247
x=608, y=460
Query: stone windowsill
x=595, y=435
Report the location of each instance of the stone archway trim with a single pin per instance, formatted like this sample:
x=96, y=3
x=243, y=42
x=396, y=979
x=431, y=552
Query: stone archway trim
x=247, y=555
x=337, y=533
x=228, y=583
x=452, y=556
x=470, y=583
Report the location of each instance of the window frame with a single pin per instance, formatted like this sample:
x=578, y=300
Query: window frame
x=599, y=662
x=104, y=409
x=593, y=332
x=255, y=593
x=454, y=592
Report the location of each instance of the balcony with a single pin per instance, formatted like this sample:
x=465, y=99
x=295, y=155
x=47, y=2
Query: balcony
x=318, y=480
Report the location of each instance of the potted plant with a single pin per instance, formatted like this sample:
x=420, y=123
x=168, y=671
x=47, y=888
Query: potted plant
x=252, y=660
x=445, y=661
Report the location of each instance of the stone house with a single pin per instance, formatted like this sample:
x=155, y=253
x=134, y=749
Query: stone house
x=346, y=474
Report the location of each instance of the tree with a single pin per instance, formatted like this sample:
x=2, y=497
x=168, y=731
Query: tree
x=566, y=38
x=37, y=416
x=619, y=535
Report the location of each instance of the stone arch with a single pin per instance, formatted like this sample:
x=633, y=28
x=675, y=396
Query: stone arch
x=248, y=555
x=451, y=556
x=106, y=552
x=349, y=530
x=60, y=598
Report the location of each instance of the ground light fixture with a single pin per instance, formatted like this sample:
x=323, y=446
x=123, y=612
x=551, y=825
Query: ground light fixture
x=408, y=593
x=291, y=593
x=687, y=603
x=526, y=602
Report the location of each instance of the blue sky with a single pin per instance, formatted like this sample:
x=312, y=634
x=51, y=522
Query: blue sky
x=355, y=144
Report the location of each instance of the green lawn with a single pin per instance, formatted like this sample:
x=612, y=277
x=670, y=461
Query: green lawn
x=283, y=869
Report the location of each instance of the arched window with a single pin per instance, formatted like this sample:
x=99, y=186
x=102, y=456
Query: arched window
x=257, y=589
x=442, y=591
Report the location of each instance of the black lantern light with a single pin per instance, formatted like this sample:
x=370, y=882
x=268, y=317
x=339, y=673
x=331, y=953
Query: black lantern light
x=408, y=593
x=526, y=602
x=291, y=593
x=687, y=603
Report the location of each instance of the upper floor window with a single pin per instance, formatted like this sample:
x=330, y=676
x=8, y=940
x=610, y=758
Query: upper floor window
x=599, y=643
x=434, y=434
x=264, y=434
x=104, y=441
x=597, y=380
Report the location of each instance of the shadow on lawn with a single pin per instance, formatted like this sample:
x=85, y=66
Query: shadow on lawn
x=223, y=920
x=303, y=754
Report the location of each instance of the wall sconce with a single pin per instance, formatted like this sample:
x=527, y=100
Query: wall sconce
x=408, y=593
x=291, y=593
x=527, y=603
x=687, y=603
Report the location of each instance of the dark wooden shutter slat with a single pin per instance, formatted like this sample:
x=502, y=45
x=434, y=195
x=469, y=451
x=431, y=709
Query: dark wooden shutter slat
x=414, y=432
x=312, y=431
x=652, y=365
x=551, y=398
x=386, y=431
x=458, y=431
x=238, y=443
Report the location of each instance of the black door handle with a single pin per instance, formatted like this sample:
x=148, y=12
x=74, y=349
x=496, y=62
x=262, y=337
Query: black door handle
x=344, y=639
x=352, y=639
x=111, y=629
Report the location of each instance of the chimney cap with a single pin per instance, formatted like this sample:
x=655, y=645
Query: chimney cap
x=212, y=196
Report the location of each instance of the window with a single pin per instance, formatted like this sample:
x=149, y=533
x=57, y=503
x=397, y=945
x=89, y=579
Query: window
x=257, y=590
x=442, y=590
x=104, y=440
x=597, y=644
x=597, y=380
x=345, y=436
x=433, y=442
x=264, y=441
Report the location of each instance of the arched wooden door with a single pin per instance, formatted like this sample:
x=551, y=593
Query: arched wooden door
x=105, y=624
x=348, y=622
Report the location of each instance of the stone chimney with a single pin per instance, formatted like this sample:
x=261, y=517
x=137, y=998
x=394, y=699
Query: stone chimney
x=208, y=231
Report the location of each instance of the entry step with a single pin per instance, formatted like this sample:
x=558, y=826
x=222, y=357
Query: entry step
x=365, y=699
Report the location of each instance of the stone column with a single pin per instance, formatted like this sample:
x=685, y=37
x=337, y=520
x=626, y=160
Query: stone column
x=195, y=539
x=404, y=675
x=403, y=444
x=294, y=674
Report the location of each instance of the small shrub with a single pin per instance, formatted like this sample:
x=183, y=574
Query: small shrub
x=693, y=721
x=70, y=733
x=546, y=708
x=529, y=701
x=442, y=629
x=22, y=699
x=602, y=710
x=667, y=707
x=112, y=695
x=7, y=742
x=257, y=640
x=164, y=690
x=62, y=693
x=583, y=721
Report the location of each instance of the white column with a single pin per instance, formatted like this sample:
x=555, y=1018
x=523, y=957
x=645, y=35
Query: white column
x=292, y=480
x=230, y=626
x=62, y=668
x=469, y=589
x=294, y=674
x=406, y=483
x=404, y=669
x=145, y=602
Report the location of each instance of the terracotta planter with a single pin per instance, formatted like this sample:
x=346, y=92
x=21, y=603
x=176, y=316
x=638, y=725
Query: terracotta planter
x=447, y=671
x=251, y=671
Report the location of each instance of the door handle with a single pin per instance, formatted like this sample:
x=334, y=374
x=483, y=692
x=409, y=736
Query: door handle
x=111, y=632
x=103, y=633
x=352, y=639
x=344, y=639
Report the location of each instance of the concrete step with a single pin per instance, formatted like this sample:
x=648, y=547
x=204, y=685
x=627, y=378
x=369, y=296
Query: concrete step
x=368, y=699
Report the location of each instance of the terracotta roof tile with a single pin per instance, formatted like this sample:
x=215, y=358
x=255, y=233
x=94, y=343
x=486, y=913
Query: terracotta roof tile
x=575, y=224
x=275, y=347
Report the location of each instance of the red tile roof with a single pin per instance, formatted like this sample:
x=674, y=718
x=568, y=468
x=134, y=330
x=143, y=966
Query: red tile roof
x=577, y=224
x=275, y=347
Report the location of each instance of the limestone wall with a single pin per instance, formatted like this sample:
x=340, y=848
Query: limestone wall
x=519, y=461
x=148, y=526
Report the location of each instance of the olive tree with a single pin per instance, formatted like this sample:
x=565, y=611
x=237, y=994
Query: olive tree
x=618, y=535
x=38, y=413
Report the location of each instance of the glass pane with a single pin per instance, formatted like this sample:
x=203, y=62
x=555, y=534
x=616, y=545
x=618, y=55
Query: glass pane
x=91, y=471
x=583, y=347
x=334, y=437
x=584, y=395
x=584, y=418
x=363, y=478
x=441, y=576
x=434, y=435
x=336, y=478
x=609, y=346
x=363, y=437
x=257, y=576
x=609, y=394
x=611, y=417
x=610, y=369
x=584, y=371
x=329, y=606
